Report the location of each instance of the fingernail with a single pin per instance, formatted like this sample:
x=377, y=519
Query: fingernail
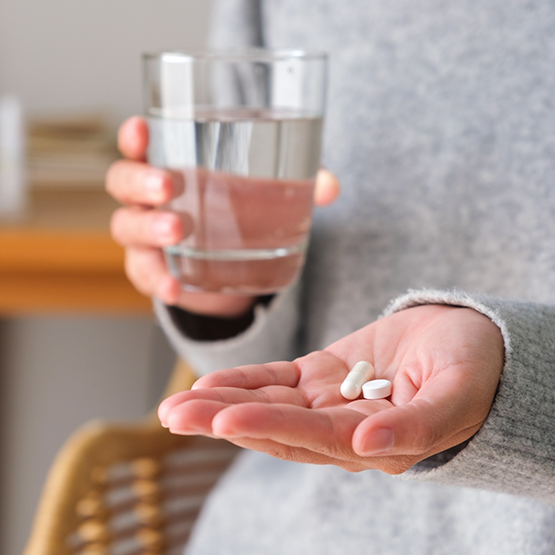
x=154, y=184
x=378, y=442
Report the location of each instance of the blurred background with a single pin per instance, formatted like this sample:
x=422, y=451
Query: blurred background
x=76, y=341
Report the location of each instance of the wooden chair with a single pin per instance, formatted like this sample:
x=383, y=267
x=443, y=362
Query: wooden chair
x=127, y=489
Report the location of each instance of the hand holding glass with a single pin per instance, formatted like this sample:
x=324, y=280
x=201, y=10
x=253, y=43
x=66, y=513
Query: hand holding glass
x=242, y=131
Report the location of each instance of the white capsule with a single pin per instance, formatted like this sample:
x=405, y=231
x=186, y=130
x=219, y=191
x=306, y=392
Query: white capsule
x=376, y=389
x=361, y=372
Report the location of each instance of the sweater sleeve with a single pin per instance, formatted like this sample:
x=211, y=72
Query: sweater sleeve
x=514, y=451
x=271, y=336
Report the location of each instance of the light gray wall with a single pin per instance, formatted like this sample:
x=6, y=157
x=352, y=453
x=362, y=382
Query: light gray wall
x=59, y=57
x=64, y=55
x=55, y=374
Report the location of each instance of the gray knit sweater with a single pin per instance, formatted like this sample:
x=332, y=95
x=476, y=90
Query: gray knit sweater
x=441, y=127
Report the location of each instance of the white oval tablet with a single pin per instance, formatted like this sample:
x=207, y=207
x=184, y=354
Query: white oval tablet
x=376, y=389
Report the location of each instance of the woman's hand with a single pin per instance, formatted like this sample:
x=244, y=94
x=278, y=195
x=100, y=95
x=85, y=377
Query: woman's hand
x=144, y=231
x=444, y=363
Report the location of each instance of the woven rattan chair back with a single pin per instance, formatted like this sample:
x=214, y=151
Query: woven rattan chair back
x=132, y=489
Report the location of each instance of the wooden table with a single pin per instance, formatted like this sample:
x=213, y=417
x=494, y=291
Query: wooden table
x=60, y=258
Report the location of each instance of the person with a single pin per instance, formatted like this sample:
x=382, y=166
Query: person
x=436, y=263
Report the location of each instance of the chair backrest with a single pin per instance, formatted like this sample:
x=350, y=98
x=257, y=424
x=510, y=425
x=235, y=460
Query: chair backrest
x=127, y=489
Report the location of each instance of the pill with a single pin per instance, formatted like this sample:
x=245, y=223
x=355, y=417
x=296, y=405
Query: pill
x=376, y=389
x=361, y=372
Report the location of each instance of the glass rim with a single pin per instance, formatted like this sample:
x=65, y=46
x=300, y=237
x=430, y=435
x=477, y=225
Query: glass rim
x=235, y=55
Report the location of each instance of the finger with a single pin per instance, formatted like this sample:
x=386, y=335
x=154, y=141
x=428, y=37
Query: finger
x=193, y=417
x=196, y=415
x=296, y=454
x=327, y=188
x=390, y=465
x=135, y=226
x=444, y=411
x=253, y=376
x=132, y=182
x=133, y=138
x=317, y=374
x=328, y=432
x=147, y=270
x=179, y=409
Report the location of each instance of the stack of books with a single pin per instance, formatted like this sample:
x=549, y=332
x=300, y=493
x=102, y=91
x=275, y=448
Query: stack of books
x=69, y=153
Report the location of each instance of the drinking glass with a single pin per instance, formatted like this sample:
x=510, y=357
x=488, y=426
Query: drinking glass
x=241, y=133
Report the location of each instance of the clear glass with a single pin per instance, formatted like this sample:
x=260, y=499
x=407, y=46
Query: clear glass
x=241, y=131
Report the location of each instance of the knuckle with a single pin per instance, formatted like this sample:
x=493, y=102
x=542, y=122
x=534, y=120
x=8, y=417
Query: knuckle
x=130, y=265
x=111, y=180
x=117, y=224
x=282, y=452
x=121, y=180
x=135, y=274
x=394, y=466
x=355, y=466
x=351, y=467
x=290, y=453
x=335, y=451
x=425, y=438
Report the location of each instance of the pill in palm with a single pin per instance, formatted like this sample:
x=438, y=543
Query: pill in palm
x=376, y=389
x=361, y=372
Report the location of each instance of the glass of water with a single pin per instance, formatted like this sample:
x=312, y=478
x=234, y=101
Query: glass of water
x=242, y=131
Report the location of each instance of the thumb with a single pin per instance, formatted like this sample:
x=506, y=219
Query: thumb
x=417, y=428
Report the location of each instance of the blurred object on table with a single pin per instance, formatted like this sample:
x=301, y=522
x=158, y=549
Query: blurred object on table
x=59, y=256
x=69, y=152
x=13, y=182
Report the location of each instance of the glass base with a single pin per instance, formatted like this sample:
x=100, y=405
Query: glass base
x=236, y=271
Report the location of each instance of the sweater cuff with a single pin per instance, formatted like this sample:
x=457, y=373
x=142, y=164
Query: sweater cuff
x=212, y=328
x=270, y=336
x=514, y=450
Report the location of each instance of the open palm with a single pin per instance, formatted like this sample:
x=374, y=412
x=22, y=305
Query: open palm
x=444, y=363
